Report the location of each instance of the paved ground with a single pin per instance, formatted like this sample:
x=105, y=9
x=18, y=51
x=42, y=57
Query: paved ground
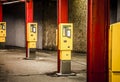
x=13, y=67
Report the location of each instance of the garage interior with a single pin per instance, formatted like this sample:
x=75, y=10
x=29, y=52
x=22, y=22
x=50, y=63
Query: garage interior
x=14, y=67
x=43, y=68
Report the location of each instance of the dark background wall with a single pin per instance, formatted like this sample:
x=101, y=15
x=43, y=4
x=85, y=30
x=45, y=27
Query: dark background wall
x=49, y=24
x=113, y=11
x=38, y=17
x=45, y=14
x=78, y=15
x=118, y=10
x=14, y=15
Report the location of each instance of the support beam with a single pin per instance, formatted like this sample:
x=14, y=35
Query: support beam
x=62, y=11
x=1, y=12
x=97, y=40
x=29, y=19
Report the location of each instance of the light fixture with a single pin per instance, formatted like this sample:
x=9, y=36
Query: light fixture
x=11, y=2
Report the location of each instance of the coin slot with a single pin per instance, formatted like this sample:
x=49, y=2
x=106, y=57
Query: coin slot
x=65, y=41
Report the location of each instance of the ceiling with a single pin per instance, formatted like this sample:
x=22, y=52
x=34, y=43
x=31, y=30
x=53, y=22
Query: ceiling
x=4, y=1
x=10, y=0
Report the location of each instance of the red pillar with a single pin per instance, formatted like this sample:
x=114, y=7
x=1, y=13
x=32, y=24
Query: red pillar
x=62, y=11
x=97, y=41
x=29, y=18
x=1, y=12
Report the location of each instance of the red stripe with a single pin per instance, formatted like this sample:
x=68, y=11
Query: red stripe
x=62, y=11
x=29, y=18
x=97, y=40
x=1, y=18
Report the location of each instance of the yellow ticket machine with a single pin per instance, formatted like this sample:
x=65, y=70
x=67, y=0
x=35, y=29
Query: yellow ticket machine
x=114, y=52
x=2, y=31
x=32, y=35
x=65, y=36
x=65, y=40
x=65, y=45
x=31, y=39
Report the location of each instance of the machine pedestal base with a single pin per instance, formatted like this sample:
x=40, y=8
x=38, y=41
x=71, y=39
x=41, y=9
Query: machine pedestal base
x=32, y=54
x=71, y=74
x=2, y=45
x=65, y=68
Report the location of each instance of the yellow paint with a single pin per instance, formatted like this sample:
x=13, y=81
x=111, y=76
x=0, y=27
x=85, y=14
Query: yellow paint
x=110, y=76
x=65, y=43
x=110, y=47
x=56, y=37
x=114, y=53
x=31, y=44
x=65, y=55
x=32, y=35
x=114, y=77
x=114, y=50
x=32, y=32
x=65, y=36
x=2, y=39
x=2, y=31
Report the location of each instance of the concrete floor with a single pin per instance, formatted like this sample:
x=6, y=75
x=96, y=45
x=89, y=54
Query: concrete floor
x=13, y=67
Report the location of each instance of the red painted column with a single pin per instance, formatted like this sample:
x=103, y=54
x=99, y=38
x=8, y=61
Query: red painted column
x=1, y=18
x=62, y=11
x=97, y=40
x=29, y=18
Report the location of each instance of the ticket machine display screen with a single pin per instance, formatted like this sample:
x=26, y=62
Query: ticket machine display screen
x=33, y=28
x=2, y=26
x=66, y=31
